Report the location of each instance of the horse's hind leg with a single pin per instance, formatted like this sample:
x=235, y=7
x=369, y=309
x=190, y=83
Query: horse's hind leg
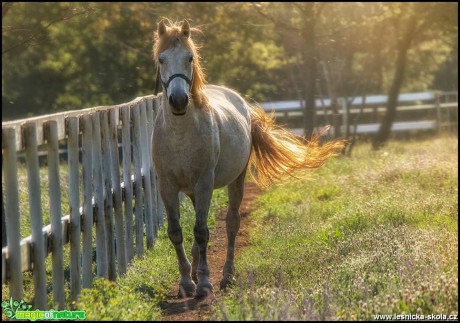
x=171, y=202
x=235, y=196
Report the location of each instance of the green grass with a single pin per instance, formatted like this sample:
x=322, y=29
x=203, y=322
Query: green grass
x=375, y=233
x=137, y=294
x=147, y=279
x=24, y=226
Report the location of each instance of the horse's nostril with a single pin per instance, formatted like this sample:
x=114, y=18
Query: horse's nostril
x=178, y=101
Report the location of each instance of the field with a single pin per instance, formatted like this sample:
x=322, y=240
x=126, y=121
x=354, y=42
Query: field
x=375, y=233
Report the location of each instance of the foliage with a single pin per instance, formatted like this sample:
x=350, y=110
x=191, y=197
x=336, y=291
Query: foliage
x=61, y=56
x=373, y=234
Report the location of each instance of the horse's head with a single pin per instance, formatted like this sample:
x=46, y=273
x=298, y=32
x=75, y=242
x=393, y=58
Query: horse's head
x=178, y=63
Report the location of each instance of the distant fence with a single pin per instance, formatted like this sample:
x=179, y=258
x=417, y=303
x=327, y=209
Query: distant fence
x=416, y=111
x=101, y=196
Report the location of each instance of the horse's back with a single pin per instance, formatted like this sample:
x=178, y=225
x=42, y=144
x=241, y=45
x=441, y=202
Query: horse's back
x=233, y=117
x=226, y=101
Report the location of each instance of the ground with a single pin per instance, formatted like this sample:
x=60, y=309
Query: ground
x=190, y=309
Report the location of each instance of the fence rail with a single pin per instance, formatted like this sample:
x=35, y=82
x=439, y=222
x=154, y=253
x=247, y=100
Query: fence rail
x=97, y=194
x=426, y=110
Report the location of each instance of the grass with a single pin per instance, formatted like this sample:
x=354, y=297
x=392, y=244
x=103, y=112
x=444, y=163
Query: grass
x=147, y=279
x=137, y=294
x=24, y=226
x=376, y=233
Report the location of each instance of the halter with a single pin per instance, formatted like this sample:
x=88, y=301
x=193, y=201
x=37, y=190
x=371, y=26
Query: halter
x=165, y=85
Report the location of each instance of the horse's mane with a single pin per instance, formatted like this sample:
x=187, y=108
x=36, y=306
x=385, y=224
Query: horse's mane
x=170, y=38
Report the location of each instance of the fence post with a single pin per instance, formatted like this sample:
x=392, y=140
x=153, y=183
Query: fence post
x=154, y=196
x=51, y=136
x=345, y=116
x=12, y=212
x=438, y=112
x=150, y=230
x=74, y=202
x=108, y=199
x=156, y=107
x=101, y=250
x=115, y=168
x=4, y=239
x=38, y=252
x=138, y=180
x=128, y=192
x=87, y=171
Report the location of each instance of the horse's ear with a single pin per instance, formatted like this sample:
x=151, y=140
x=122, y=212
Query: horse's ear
x=161, y=28
x=185, y=30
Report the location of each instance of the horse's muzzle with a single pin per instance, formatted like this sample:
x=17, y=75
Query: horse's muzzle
x=178, y=103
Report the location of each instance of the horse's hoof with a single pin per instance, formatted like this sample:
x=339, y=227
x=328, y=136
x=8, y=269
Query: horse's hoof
x=203, y=290
x=186, y=289
x=227, y=281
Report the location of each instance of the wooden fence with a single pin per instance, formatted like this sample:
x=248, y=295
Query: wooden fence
x=100, y=198
x=416, y=111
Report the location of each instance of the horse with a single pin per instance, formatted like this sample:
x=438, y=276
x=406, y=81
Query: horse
x=206, y=137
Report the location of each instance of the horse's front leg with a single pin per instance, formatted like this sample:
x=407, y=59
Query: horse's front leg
x=203, y=194
x=195, y=251
x=171, y=201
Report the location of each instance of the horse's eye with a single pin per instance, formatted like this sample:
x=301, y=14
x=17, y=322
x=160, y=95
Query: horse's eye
x=160, y=60
x=190, y=59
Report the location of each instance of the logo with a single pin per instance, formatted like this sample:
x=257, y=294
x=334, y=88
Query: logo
x=15, y=310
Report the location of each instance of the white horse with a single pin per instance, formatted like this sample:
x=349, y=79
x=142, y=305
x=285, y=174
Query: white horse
x=206, y=137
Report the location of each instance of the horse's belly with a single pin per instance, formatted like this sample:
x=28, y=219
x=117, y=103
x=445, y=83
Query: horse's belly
x=233, y=158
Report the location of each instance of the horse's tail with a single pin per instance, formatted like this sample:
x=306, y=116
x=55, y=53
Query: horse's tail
x=276, y=152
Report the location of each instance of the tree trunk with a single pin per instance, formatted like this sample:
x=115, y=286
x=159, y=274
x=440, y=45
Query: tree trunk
x=331, y=82
x=308, y=34
x=385, y=127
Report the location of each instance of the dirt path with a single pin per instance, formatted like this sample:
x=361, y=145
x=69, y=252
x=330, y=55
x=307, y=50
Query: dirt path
x=190, y=309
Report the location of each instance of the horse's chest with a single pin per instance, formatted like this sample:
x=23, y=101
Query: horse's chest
x=184, y=156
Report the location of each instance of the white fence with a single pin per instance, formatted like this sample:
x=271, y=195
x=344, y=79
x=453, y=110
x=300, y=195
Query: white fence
x=442, y=108
x=100, y=198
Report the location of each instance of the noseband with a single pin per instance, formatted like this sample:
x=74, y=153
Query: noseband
x=182, y=76
x=165, y=85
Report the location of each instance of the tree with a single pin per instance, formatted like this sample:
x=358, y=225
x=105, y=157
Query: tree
x=31, y=34
x=105, y=57
x=299, y=20
x=265, y=51
x=410, y=23
x=26, y=29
